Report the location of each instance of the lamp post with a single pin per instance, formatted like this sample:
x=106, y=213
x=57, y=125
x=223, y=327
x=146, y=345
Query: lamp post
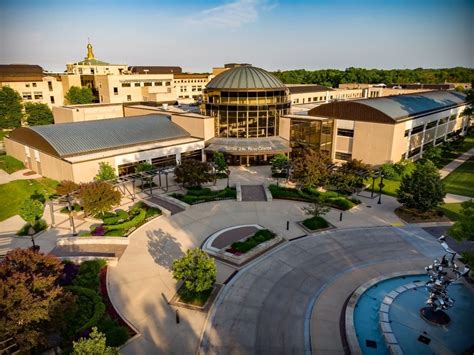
x=381, y=185
x=227, y=172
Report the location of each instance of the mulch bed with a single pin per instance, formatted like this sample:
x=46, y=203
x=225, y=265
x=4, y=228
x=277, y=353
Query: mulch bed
x=108, y=304
x=412, y=216
x=28, y=173
x=176, y=301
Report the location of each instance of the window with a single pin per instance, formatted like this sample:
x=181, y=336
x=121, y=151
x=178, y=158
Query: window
x=168, y=83
x=431, y=124
x=343, y=156
x=50, y=86
x=345, y=132
x=417, y=129
x=137, y=84
x=147, y=84
x=443, y=121
x=414, y=152
x=26, y=95
x=453, y=117
x=129, y=97
x=126, y=85
x=115, y=91
x=158, y=83
x=34, y=85
x=38, y=95
x=51, y=98
x=315, y=99
x=27, y=85
x=92, y=71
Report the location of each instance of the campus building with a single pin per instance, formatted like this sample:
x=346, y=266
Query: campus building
x=32, y=83
x=73, y=151
x=392, y=128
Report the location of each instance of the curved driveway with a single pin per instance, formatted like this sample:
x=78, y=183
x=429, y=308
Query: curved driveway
x=263, y=309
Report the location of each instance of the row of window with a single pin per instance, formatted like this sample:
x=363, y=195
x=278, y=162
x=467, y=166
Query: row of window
x=194, y=88
x=345, y=132
x=146, y=83
x=37, y=96
x=343, y=156
x=191, y=81
x=432, y=124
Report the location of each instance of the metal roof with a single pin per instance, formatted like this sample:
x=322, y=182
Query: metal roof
x=68, y=139
x=390, y=109
x=245, y=77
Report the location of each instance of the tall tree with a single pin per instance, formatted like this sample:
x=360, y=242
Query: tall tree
x=311, y=169
x=11, y=108
x=193, y=173
x=38, y=114
x=464, y=226
x=279, y=165
x=219, y=160
x=31, y=210
x=79, y=95
x=30, y=297
x=106, y=172
x=98, y=197
x=423, y=190
x=196, y=269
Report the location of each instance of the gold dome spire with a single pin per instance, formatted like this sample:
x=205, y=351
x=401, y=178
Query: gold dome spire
x=90, y=53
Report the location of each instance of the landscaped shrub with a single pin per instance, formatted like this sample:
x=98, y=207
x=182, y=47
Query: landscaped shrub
x=139, y=218
x=197, y=196
x=355, y=200
x=315, y=223
x=99, y=306
x=70, y=272
x=75, y=207
x=98, y=231
x=116, y=336
x=152, y=211
x=341, y=203
x=259, y=237
x=119, y=217
x=88, y=275
x=115, y=233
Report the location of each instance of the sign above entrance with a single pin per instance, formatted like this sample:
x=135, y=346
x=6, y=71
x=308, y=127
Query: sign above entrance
x=249, y=146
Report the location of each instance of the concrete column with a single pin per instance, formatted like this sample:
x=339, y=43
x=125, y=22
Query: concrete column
x=178, y=158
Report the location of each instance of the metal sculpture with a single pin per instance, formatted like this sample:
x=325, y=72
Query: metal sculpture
x=442, y=273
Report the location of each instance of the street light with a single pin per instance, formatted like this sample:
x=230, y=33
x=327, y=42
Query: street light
x=381, y=185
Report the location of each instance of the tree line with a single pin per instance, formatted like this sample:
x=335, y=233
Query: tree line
x=334, y=77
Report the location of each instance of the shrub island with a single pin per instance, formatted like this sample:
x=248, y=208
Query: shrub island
x=196, y=195
x=121, y=223
x=242, y=247
x=307, y=194
x=315, y=223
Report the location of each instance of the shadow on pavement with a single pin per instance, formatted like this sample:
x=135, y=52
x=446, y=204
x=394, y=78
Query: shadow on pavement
x=163, y=247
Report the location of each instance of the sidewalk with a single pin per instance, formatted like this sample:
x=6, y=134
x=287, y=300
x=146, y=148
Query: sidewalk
x=17, y=175
x=446, y=170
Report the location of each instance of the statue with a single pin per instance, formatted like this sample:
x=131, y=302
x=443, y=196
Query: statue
x=442, y=274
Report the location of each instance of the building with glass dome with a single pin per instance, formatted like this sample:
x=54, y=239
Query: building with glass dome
x=246, y=103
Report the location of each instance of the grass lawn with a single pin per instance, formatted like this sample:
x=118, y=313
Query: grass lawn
x=467, y=144
x=451, y=210
x=390, y=186
x=10, y=164
x=14, y=193
x=460, y=181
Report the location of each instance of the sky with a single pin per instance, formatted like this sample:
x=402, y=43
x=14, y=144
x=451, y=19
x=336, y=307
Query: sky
x=272, y=34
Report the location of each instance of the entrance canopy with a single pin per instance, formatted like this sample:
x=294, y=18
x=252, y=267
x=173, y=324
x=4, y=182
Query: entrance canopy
x=249, y=146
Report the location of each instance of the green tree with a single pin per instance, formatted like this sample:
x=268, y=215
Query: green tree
x=31, y=210
x=317, y=207
x=106, y=172
x=38, y=114
x=96, y=344
x=311, y=169
x=193, y=173
x=196, y=269
x=464, y=226
x=77, y=95
x=279, y=165
x=470, y=101
x=432, y=153
x=11, y=108
x=423, y=190
x=31, y=300
x=142, y=167
x=98, y=197
x=219, y=159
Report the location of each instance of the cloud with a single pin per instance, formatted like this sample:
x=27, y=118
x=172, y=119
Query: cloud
x=234, y=14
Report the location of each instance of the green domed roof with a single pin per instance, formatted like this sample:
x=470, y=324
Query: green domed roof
x=245, y=77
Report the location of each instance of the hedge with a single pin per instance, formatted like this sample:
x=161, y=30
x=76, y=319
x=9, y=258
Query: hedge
x=139, y=218
x=341, y=203
x=194, y=196
x=259, y=237
x=119, y=216
x=99, y=306
x=315, y=223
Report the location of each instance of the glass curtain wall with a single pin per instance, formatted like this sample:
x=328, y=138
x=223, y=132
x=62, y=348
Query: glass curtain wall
x=311, y=134
x=246, y=114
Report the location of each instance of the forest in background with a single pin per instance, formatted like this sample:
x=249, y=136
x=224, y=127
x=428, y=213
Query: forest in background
x=334, y=77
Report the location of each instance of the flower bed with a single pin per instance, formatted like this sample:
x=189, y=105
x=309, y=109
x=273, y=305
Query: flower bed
x=200, y=195
x=261, y=236
x=122, y=223
x=333, y=199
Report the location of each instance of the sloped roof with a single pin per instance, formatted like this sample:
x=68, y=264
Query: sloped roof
x=21, y=72
x=390, y=109
x=245, y=77
x=69, y=139
x=303, y=89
